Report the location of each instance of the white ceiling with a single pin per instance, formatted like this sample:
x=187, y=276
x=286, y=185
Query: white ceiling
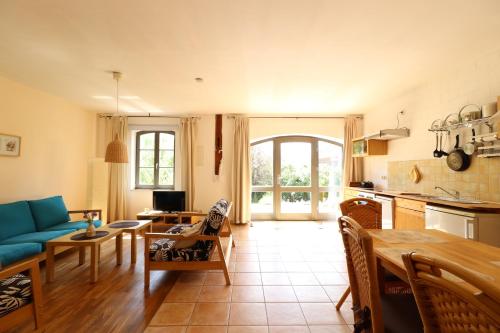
x=255, y=56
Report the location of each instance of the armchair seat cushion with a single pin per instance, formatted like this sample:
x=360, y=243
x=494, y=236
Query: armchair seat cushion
x=77, y=225
x=15, y=292
x=164, y=250
x=41, y=237
x=16, y=252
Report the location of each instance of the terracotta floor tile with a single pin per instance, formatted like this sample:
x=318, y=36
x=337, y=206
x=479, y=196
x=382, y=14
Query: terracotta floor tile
x=335, y=292
x=330, y=329
x=247, y=267
x=210, y=314
x=190, y=278
x=288, y=329
x=272, y=267
x=247, y=279
x=173, y=314
x=330, y=278
x=166, y=329
x=269, y=257
x=303, y=279
x=284, y=314
x=215, y=294
x=247, y=294
x=294, y=267
x=321, y=314
x=321, y=267
x=183, y=293
x=248, y=314
x=247, y=257
x=311, y=294
x=206, y=329
x=275, y=279
x=247, y=329
x=279, y=294
x=217, y=279
x=347, y=313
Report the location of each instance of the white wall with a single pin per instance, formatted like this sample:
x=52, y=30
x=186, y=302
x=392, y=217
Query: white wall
x=332, y=128
x=475, y=82
x=57, y=141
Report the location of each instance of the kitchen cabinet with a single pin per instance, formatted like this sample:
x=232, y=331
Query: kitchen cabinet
x=409, y=214
x=362, y=147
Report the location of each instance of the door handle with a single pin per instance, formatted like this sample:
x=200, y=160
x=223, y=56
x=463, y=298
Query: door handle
x=470, y=225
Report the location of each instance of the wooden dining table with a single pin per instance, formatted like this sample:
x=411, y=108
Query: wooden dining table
x=481, y=259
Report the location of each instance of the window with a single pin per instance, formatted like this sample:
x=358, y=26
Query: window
x=155, y=159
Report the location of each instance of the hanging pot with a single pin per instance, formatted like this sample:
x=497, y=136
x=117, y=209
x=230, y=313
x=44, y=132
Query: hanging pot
x=471, y=147
x=457, y=160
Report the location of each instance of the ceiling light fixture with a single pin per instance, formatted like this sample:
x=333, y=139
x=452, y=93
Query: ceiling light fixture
x=116, y=151
x=199, y=79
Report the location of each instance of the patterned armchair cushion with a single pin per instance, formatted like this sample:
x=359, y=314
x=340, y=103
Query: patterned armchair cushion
x=15, y=292
x=165, y=249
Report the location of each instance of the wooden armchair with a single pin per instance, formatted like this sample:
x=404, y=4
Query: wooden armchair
x=12, y=306
x=451, y=298
x=188, y=261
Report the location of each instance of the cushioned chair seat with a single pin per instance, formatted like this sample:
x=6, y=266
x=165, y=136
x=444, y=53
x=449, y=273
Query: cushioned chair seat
x=73, y=225
x=36, y=237
x=164, y=250
x=15, y=292
x=400, y=314
x=16, y=252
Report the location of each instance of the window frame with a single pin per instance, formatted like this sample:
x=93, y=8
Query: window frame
x=156, y=162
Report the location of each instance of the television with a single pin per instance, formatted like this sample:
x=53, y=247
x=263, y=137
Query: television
x=169, y=201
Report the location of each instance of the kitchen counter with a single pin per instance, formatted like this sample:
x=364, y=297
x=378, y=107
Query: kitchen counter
x=491, y=207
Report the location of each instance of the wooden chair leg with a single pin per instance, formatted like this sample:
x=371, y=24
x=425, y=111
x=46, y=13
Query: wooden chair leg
x=343, y=298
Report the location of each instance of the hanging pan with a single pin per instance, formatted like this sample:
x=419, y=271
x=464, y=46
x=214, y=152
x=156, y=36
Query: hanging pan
x=457, y=160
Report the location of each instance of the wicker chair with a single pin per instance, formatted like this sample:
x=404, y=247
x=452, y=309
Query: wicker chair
x=373, y=312
x=471, y=305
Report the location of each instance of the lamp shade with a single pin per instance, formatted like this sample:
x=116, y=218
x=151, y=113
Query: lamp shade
x=116, y=152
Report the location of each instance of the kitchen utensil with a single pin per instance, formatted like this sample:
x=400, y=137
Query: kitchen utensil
x=489, y=109
x=457, y=160
x=441, y=151
x=470, y=147
x=367, y=184
x=472, y=115
x=415, y=175
x=436, y=153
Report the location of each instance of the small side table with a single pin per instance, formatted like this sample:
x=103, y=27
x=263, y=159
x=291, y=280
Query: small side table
x=94, y=245
x=133, y=231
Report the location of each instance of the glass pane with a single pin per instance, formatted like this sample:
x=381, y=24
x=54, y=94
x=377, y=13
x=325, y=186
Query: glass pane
x=147, y=141
x=166, y=176
x=295, y=164
x=167, y=141
x=262, y=164
x=296, y=202
x=328, y=201
x=262, y=202
x=329, y=164
x=167, y=158
x=147, y=158
x=146, y=176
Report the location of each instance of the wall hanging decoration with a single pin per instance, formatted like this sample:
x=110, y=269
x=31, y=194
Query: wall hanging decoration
x=218, y=143
x=10, y=145
x=415, y=175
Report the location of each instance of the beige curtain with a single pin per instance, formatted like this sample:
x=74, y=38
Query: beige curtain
x=189, y=132
x=353, y=167
x=118, y=176
x=241, y=176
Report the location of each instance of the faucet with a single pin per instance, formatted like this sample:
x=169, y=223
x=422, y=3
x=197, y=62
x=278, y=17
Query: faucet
x=453, y=193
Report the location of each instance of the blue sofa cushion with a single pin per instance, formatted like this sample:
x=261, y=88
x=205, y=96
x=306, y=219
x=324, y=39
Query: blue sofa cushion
x=49, y=212
x=15, y=219
x=76, y=225
x=15, y=292
x=15, y=252
x=36, y=237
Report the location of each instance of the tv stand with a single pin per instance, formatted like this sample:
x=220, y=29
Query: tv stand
x=164, y=220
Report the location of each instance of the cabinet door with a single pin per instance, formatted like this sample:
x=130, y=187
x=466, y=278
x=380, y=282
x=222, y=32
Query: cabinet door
x=409, y=219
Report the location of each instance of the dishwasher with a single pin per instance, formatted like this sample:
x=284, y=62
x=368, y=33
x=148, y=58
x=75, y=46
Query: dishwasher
x=482, y=227
x=387, y=207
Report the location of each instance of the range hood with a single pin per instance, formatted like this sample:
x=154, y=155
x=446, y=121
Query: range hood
x=390, y=134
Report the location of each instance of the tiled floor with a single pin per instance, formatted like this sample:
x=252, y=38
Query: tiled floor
x=287, y=277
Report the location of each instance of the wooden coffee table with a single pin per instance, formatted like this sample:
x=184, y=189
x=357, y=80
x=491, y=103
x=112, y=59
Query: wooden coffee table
x=133, y=231
x=94, y=245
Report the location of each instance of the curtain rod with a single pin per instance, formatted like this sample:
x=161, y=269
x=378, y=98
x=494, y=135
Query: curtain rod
x=149, y=116
x=298, y=117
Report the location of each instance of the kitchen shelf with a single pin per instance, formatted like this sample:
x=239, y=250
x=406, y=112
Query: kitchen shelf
x=362, y=147
x=390, y=134
x=467, y=123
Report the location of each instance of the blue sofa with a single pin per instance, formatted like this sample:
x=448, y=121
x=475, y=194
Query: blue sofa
x=25, y=227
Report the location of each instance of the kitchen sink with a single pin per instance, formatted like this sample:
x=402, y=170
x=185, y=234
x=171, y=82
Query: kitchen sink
x=437, y=197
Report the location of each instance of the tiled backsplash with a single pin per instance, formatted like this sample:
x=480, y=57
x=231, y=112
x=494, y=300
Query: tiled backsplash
x=480, y=181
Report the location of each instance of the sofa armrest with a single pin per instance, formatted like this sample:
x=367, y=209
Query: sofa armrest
x=17, y=268
x=98, y=211
x=179, y=237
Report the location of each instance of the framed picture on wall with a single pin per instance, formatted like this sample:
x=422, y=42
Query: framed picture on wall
x=10, y=145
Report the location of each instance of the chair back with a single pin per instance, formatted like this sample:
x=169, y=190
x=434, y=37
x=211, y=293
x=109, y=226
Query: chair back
x=216, y=218
x=451, y=298
x=362, y=276
x=367, y=212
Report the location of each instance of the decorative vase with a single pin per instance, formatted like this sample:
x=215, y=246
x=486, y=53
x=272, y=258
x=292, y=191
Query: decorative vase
x=90, y=230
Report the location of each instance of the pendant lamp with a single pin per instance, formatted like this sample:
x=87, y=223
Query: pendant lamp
x=116, y=152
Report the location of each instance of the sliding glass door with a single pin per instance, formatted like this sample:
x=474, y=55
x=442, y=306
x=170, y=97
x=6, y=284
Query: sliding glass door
x=295, y=178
